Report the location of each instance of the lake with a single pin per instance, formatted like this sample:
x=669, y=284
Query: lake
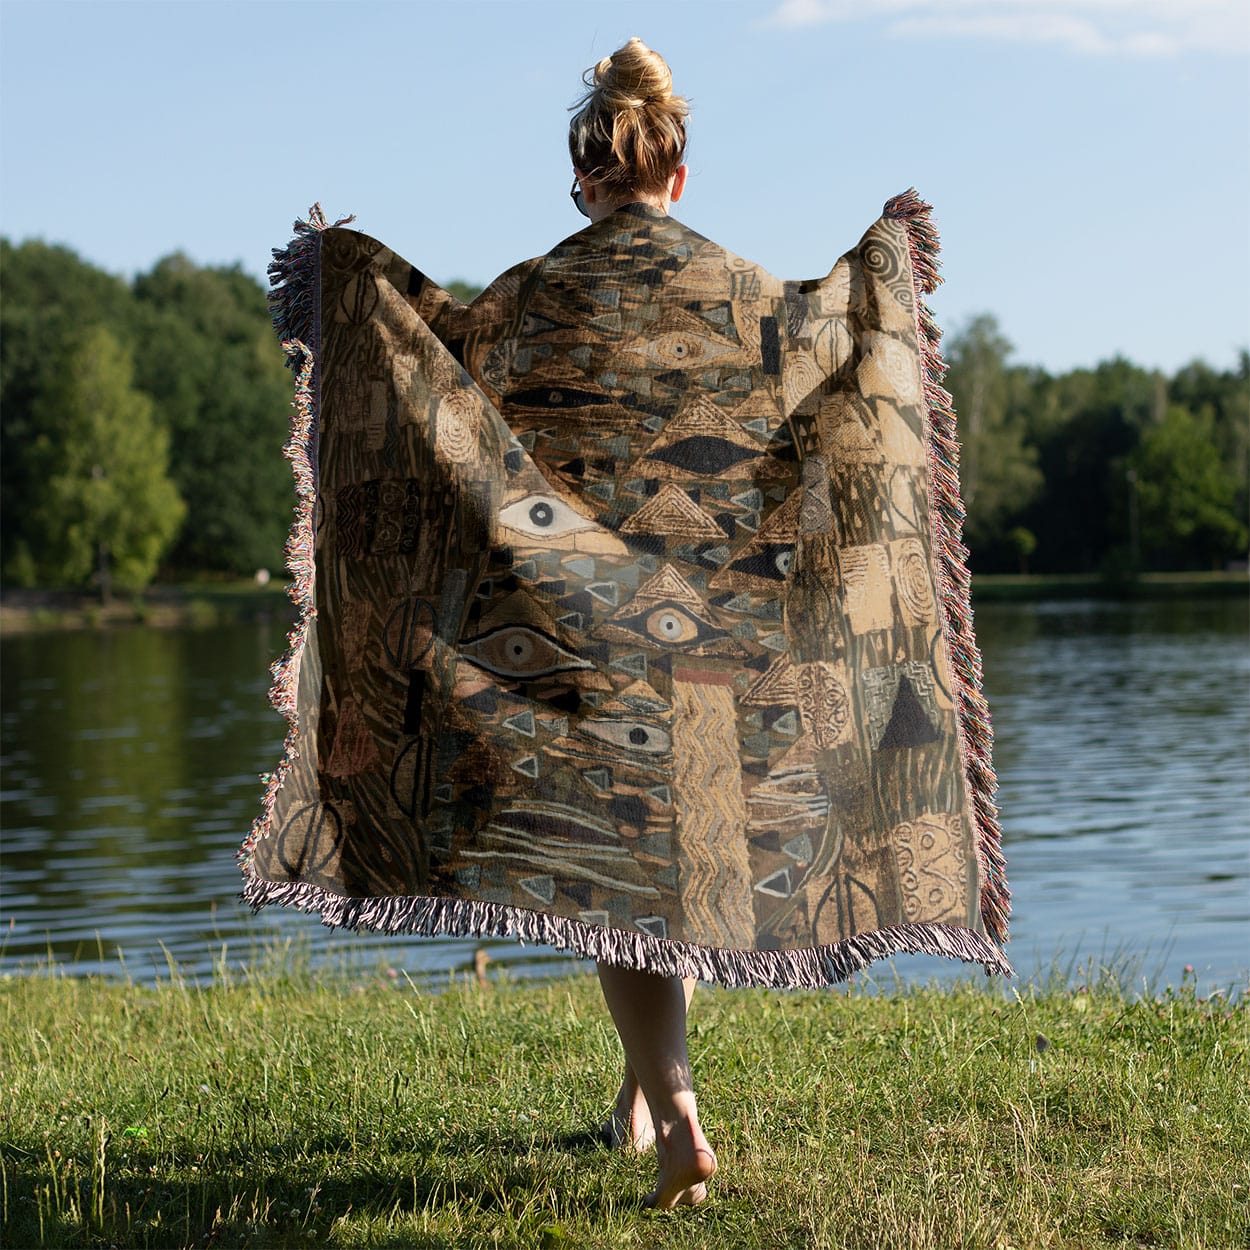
x=130, y=775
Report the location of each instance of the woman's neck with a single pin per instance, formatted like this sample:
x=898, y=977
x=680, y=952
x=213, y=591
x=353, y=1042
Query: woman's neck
x=605, y=208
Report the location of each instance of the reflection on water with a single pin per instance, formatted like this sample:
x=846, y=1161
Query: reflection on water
x=130, y=776
x=131, y=762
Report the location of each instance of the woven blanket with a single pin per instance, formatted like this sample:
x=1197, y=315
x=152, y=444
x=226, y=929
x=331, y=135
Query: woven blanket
x=634, y=618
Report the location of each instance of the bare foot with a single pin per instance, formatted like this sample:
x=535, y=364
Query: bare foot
x=686, y=1165
x=629, y=1126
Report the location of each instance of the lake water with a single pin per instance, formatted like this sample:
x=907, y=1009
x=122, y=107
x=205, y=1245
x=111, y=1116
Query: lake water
x=130, y=762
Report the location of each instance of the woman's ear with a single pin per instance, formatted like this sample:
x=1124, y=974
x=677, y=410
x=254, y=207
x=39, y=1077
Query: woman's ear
x=678, y=185
x=588, y=186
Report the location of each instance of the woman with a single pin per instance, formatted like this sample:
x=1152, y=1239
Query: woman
x=635, y=615
x=628, y=141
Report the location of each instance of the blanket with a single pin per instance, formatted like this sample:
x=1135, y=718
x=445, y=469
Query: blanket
x=634, y=617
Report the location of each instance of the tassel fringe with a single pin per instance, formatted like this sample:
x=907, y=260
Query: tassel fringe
x=295, y=282
x=954, y=580
x=294, y=302
x=809, y=968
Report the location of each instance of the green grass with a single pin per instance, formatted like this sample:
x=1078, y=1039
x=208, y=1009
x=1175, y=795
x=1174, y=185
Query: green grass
x=293, y=1109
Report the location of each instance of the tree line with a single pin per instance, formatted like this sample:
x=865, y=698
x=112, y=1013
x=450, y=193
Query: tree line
x=1113, y=470
x=142, y=423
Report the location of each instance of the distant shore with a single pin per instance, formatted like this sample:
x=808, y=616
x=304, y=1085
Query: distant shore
x=172, y=605
x=218, y=603
x=1002, y=587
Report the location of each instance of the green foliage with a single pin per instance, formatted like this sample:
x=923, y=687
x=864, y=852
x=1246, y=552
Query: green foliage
x=208, y=352
x=1082, y=516
x=204, y=354
x=1186, y=491
x=1053, y=456
x=998, y=468
x=1223, y=400
x=105, y=505
x=51, y=299
x=1024, y=543
x=465, y=292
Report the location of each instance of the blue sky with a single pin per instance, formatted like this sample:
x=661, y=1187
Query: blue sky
x=1088, y=160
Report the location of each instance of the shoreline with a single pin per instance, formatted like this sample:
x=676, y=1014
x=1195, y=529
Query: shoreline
x=205, y=604
x=1035, y=587
x=175, y=605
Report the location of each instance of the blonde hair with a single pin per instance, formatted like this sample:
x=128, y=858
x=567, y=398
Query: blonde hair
x=629, y=133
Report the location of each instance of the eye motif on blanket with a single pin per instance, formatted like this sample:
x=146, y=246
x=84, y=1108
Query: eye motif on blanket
x=636, y=619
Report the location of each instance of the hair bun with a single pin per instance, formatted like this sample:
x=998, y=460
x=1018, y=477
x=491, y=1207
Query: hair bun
x=629, y=129
x=634, y=76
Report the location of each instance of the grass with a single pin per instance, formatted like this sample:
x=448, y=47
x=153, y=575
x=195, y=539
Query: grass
x=286, y=1108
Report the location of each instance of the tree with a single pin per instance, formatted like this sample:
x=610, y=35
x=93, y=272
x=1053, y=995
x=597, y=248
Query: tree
x=209, y=359
x=1024, y=543
x=1186, y=494
x=1223, y=398
x=1086, y=424
x=105, y=504
x=997, y=467
x=51, y=297
x=465, y=292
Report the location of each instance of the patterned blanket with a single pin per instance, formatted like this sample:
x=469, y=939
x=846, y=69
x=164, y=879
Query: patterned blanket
x=634, y=615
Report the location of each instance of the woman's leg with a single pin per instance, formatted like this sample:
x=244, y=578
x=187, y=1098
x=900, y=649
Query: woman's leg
x=629, y=1124
x=650, y=1015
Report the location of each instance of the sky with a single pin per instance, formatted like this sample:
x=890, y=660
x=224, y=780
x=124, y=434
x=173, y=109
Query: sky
x=1088, y=160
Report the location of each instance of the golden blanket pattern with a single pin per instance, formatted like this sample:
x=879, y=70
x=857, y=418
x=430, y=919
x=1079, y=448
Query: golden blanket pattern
x=635, y=618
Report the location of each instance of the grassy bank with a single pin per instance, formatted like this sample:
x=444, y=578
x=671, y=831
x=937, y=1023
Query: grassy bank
x=1000, y=587
x=192, y=603
x=286, y=1110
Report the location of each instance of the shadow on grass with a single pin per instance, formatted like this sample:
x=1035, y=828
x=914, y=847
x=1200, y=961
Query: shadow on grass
x=256, y=1198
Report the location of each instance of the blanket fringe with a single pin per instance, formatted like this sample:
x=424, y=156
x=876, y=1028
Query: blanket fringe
x=954, y=579
x=294, y=305
x=809, y=968
x=295, y=282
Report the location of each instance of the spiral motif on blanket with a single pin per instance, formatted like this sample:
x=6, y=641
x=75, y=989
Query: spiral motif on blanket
x=882, y=261
x=914, y=582
x=457, y=426
x=802, y=379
